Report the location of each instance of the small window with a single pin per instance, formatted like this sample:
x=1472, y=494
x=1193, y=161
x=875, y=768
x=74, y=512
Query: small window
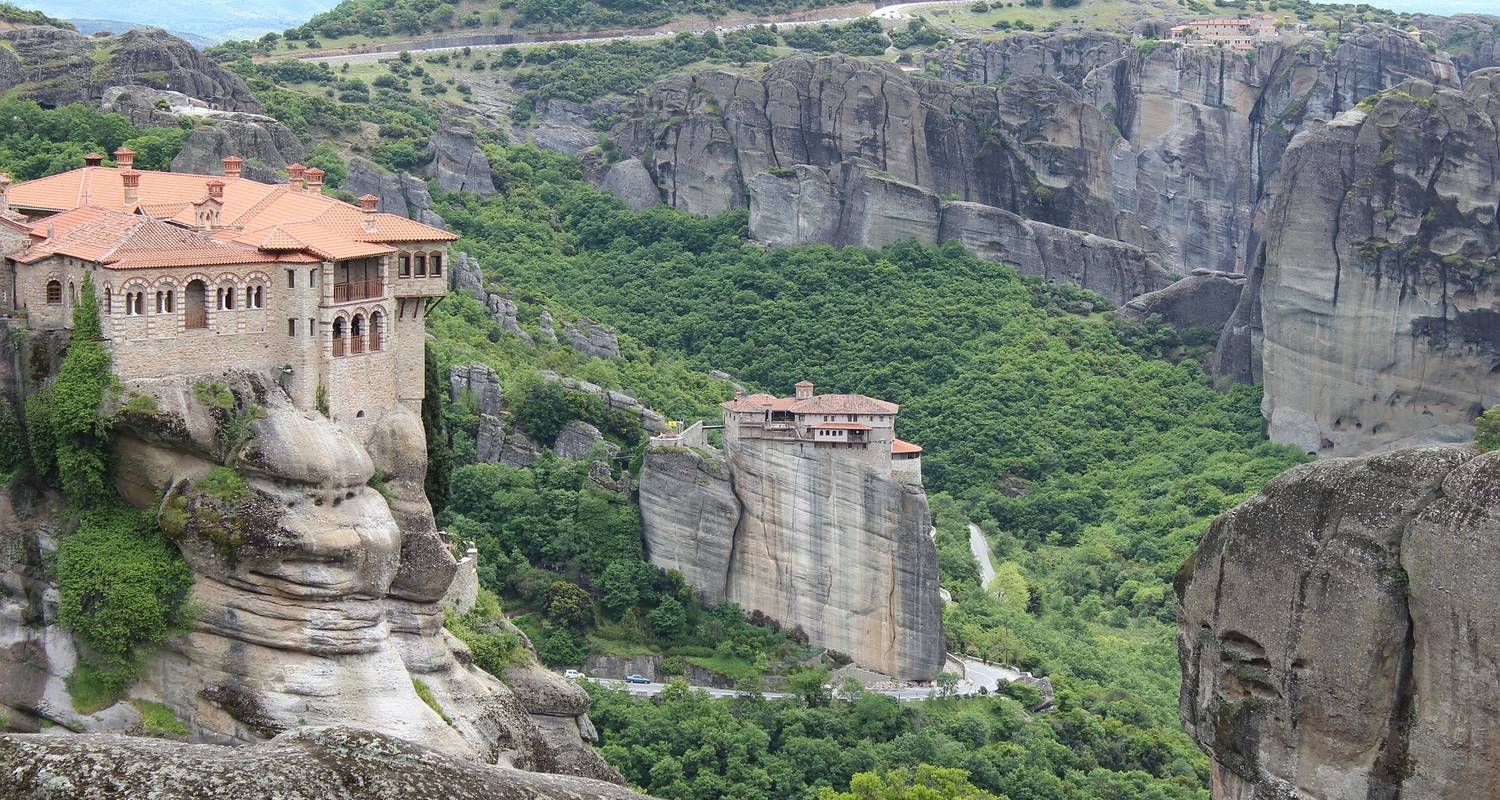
x=109, y=301
x=291, y=279
x=405, y=265
x=421, y=266
x=312, y=327
x=54, y=293
x=171, y=307
x=291, y=327
x=312, y=277
x=437, y=264
x=255, y=296
x=161, y=302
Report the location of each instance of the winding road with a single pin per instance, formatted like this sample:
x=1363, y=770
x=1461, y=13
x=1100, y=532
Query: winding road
x=380, y=53
x=980, y=547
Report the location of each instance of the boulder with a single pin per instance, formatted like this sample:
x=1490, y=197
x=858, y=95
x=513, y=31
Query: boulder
x=1204, y=300
x=577, y=439
x=503, y=311
x=466, y=275
x=456, y=162
x=549, y=329
x=480, y=382
x=328, y=763
x=591, y=338
x=630, y=181
x=1337, y=633
x=399, y=194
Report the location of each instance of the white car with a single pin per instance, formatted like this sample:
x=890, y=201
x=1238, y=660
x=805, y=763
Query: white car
x=572, y=674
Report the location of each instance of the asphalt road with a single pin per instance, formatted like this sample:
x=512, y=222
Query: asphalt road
x=892, y=12
x=980, y=547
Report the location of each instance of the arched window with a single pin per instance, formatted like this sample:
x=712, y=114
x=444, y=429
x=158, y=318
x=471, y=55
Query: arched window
x=255, y=296
x=195, y=304
x=338, y=336
x=54, y=293
x=109, y=300
x=226, y=298
x=377, y=330
x=72, y=292
x=171, y=302
x=161, y=302
x=357, y=334
x=405, y=261
x=421, y=265
x=435, y=262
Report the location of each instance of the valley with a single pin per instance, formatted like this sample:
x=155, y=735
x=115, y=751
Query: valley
x=889, y=388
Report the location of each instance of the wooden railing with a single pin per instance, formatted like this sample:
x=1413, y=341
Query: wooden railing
x=358, y=290
x=356, y=345
x=338, y=345
x=374, y=340
x=195, y=317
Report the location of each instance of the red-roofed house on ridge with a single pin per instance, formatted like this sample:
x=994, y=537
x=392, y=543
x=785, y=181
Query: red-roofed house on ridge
x=198, y=274
x=849, y=426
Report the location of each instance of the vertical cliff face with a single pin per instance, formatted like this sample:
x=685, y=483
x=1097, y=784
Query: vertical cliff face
x=1378, y=297
x=1338, y=633
x=810, y=540
x=318, y=588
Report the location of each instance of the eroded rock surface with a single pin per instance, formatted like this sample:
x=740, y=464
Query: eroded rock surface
x=1378, y=296
x=458, y=164
x=1338, y=634
x=317, y=763
x=399, y=194
x=817, y=543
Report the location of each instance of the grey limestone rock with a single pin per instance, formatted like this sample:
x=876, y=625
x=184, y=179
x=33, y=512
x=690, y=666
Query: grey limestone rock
x=651, y=421
x=834, y=548
x=516, y=449
x=480, y=382
x=265, y=144
x=399, y=194
x=588, y=336
x=549, y=329
x=577, y=438
x=466, y=275
x=458, y=164
x=503, y=311
x=630, y=181
x=1349, y=611
x=327, y=763
x=1205, y=299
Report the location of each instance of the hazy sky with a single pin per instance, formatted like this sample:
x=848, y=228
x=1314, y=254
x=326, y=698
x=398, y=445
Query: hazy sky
x=1433, y=6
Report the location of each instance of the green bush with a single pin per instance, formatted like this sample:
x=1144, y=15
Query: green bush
x=1487, y=430
x=12, y=451
x=123, y=590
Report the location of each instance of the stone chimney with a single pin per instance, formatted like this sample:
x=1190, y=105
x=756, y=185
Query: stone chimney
x=232, y=165
x=92, y=159
x=314, y=180
x=215, y=189
x=369, y=204
x=294, y=175
x=132, y=181
x=124, y=158
x=804, y=389
x=4, y=192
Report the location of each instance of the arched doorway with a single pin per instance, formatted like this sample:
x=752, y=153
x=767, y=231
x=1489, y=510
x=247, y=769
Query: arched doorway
x=195, y=304
x=377, y=329
x=338, y=336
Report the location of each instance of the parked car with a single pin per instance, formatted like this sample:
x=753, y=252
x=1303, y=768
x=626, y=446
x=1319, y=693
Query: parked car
x=572, y=674
x=637, y=678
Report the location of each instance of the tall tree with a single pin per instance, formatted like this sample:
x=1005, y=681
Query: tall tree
x=439, y=454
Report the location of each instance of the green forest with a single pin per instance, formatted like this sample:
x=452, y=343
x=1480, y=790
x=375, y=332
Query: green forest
x=1091, y=450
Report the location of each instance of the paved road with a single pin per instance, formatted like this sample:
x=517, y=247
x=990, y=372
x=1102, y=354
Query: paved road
x=893, y=12
x=980, y=547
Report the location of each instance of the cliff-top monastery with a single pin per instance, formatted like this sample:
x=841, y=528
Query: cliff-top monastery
x=203, y=273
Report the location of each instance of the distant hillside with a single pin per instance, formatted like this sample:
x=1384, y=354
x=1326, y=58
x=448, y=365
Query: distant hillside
x=214, y=20
x=12, y=16
x=92, y=26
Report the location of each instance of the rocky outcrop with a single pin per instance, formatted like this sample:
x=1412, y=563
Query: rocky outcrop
x=577, y=439
x=856, y=205
x=306, y=764
x=55, y=67
x=399, y=194
x=319, y=597
x=650, y=421
x=479, y=382
x=818, y=543
x=1378, y=296
x=1204, y=300
x=589, y=337
x=456, y=162
x=630, y=181
x=1337, y=633
x=266, y=145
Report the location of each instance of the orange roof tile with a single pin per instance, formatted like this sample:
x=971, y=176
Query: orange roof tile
x=817, y=404
x=901, y=447
x=330, y=228
x=131, y=241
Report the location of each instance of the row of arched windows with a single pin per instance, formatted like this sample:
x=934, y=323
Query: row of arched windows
x=420, y=265
x=165, y=300
x=352, y=336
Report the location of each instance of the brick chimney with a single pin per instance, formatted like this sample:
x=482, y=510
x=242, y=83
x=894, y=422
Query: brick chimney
x=124, y=158
x=132, y=181
x=232, y=165
x=804, y=389
x=294, y=174
x=369, y=204
x=92, y=159
x=215, y=189
x=314, y=180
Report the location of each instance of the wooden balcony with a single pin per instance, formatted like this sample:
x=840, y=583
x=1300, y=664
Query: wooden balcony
x=338, y=346
x=374, y=340
x=356, y=346
x=358, y=290
x=195, y=317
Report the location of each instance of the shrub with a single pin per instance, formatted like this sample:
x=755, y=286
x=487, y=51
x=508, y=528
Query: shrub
x=123, y=590
x=1487, y=430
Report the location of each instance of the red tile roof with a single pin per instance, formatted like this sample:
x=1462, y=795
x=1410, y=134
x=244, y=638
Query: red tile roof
x=901, y=447
x=817, y=404
x=131, y=241
x=256, y=214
